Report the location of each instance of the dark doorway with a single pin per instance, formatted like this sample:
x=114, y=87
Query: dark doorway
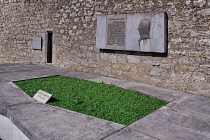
x=49, y=46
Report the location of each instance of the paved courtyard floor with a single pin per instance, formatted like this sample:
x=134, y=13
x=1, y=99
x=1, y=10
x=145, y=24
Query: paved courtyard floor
x=185, y=117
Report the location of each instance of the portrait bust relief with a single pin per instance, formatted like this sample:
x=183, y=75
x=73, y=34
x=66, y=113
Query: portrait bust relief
x=144, y=32
x=144, y=29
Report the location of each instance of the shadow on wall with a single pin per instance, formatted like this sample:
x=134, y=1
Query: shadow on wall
x=134, y=53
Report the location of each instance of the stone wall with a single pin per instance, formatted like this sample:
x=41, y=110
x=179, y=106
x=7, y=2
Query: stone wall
x=186, y=66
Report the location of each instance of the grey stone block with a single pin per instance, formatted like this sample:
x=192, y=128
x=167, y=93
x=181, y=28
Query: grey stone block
x=9, y=68
x=2, y=81
x=10, y=64
x=159, y=93
x=125, y=84
x=1, y=71
x=165, y=74
x=18, y=76
x=112, y=58
x=129, y=134
x=121, y=60
x=133, y=59
x=42, y=122
x=11, y=95
x=14, y=68
x=107, y=80
x=80, y=75
x=192, y=103
x=155, y=72
x=167, y=124
x=31, y=74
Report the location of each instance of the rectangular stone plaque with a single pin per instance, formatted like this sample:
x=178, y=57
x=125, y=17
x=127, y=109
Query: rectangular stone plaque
x=42, y=96
x=116, y=32
x=144, y=32
x=37, y=43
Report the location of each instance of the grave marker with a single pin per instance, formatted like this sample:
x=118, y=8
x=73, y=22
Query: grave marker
x=42, y=96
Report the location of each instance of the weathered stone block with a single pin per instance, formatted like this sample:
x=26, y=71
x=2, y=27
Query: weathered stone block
x=133, y=59
x=165, y=74
x=155, y=72
x=198, y=78
x=112, y=58
x=121, y=60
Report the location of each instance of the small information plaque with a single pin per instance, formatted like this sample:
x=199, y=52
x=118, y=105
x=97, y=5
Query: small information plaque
x=37, y=43
x=42, y=96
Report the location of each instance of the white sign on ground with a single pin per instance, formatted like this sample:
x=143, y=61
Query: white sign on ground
x=42, y=96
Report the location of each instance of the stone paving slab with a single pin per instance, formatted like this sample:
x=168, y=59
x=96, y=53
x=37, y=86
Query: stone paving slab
x=185, y=117
x=80, y=75
x=17, y=68
x=192, y=103
x=11, y=64
x=2, y=81
x=125, y=84
x=107, y=80
x=47, y=122
x=21, y=67
x=25, y=75
x=129, y=134
x=196, y=122
x=10, y=96
x=19, y=72
x=1, y=71
x=18, y=76
x=167, y=124
x=159, y=93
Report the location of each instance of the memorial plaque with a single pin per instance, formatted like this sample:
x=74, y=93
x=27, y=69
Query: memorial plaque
x=37, y=43
x=144, y=32
x=116, y=32
x=42, y=96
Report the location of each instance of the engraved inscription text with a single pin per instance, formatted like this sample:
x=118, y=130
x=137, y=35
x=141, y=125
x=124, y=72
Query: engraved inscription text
x=116, y=32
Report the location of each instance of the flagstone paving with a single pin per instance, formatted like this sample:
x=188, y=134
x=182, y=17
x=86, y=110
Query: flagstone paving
x=186, y=117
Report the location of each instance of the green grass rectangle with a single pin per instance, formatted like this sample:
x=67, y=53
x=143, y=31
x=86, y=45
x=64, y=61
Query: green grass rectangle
x=99, y=100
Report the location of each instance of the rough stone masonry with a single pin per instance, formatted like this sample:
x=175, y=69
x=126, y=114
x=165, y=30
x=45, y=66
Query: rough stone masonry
x=185, y=66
